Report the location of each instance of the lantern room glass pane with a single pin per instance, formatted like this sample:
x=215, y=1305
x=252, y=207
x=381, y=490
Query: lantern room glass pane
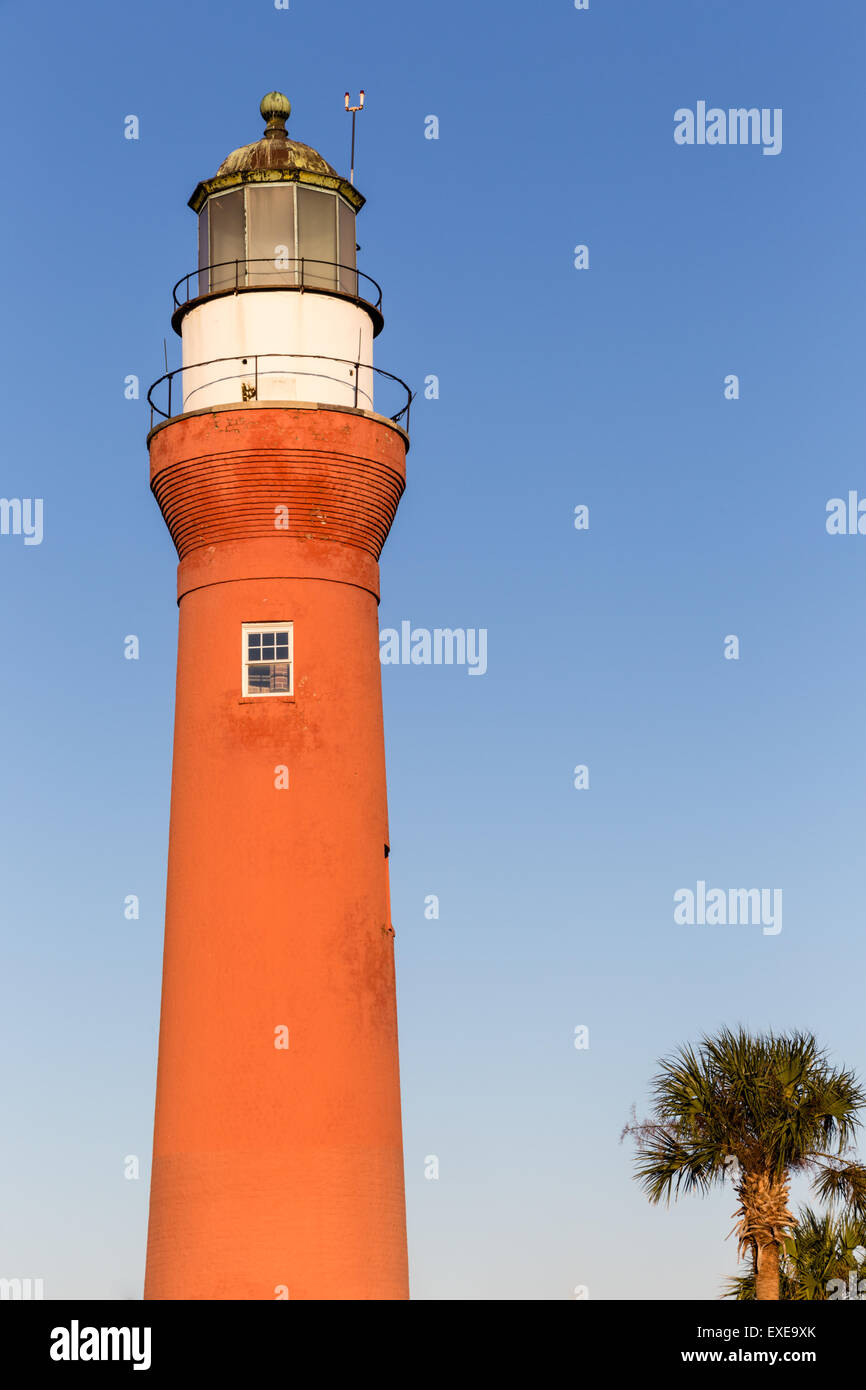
x=271, y=236
x=317, y=237
x=348, y=275
x=227, y=240
x=203, y=252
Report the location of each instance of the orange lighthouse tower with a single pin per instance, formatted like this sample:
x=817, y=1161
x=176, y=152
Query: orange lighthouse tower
x=277, y=1157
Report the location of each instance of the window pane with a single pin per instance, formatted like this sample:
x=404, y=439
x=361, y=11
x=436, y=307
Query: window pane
x=271, y=235
x=227, y=239
x=274, y=677
x=203, y=250
x=348, y=277
x=317, y=237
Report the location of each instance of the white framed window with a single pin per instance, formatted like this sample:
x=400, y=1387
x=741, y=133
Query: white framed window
x=267, y=658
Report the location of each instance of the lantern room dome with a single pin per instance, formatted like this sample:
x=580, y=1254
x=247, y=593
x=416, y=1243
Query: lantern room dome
x=275, y=150
x=275, y=158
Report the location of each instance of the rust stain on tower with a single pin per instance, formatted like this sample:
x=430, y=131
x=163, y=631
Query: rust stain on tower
x=277, y=1158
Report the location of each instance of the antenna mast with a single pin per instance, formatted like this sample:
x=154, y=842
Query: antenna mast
x=354, y=110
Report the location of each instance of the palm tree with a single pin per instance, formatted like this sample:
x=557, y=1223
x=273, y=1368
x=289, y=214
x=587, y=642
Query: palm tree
x=821, y=1249
x=765, y=1106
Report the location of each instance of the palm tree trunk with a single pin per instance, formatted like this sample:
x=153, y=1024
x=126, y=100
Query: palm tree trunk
x=764, y=1224
x=767, y=1271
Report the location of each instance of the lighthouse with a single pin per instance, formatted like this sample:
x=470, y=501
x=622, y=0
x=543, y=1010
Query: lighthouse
x=277, y=458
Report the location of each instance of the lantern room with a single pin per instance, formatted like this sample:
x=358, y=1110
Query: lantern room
x=276, y=308
x=277, y=234
x=276, y=213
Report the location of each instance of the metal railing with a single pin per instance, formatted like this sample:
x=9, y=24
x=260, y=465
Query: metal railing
x=253, y=373
x=283, y=273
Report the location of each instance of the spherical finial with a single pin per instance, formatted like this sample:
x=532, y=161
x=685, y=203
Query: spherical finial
x=276, y=109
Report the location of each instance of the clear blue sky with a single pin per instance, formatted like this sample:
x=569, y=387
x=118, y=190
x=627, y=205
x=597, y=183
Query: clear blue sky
x=558, y=387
